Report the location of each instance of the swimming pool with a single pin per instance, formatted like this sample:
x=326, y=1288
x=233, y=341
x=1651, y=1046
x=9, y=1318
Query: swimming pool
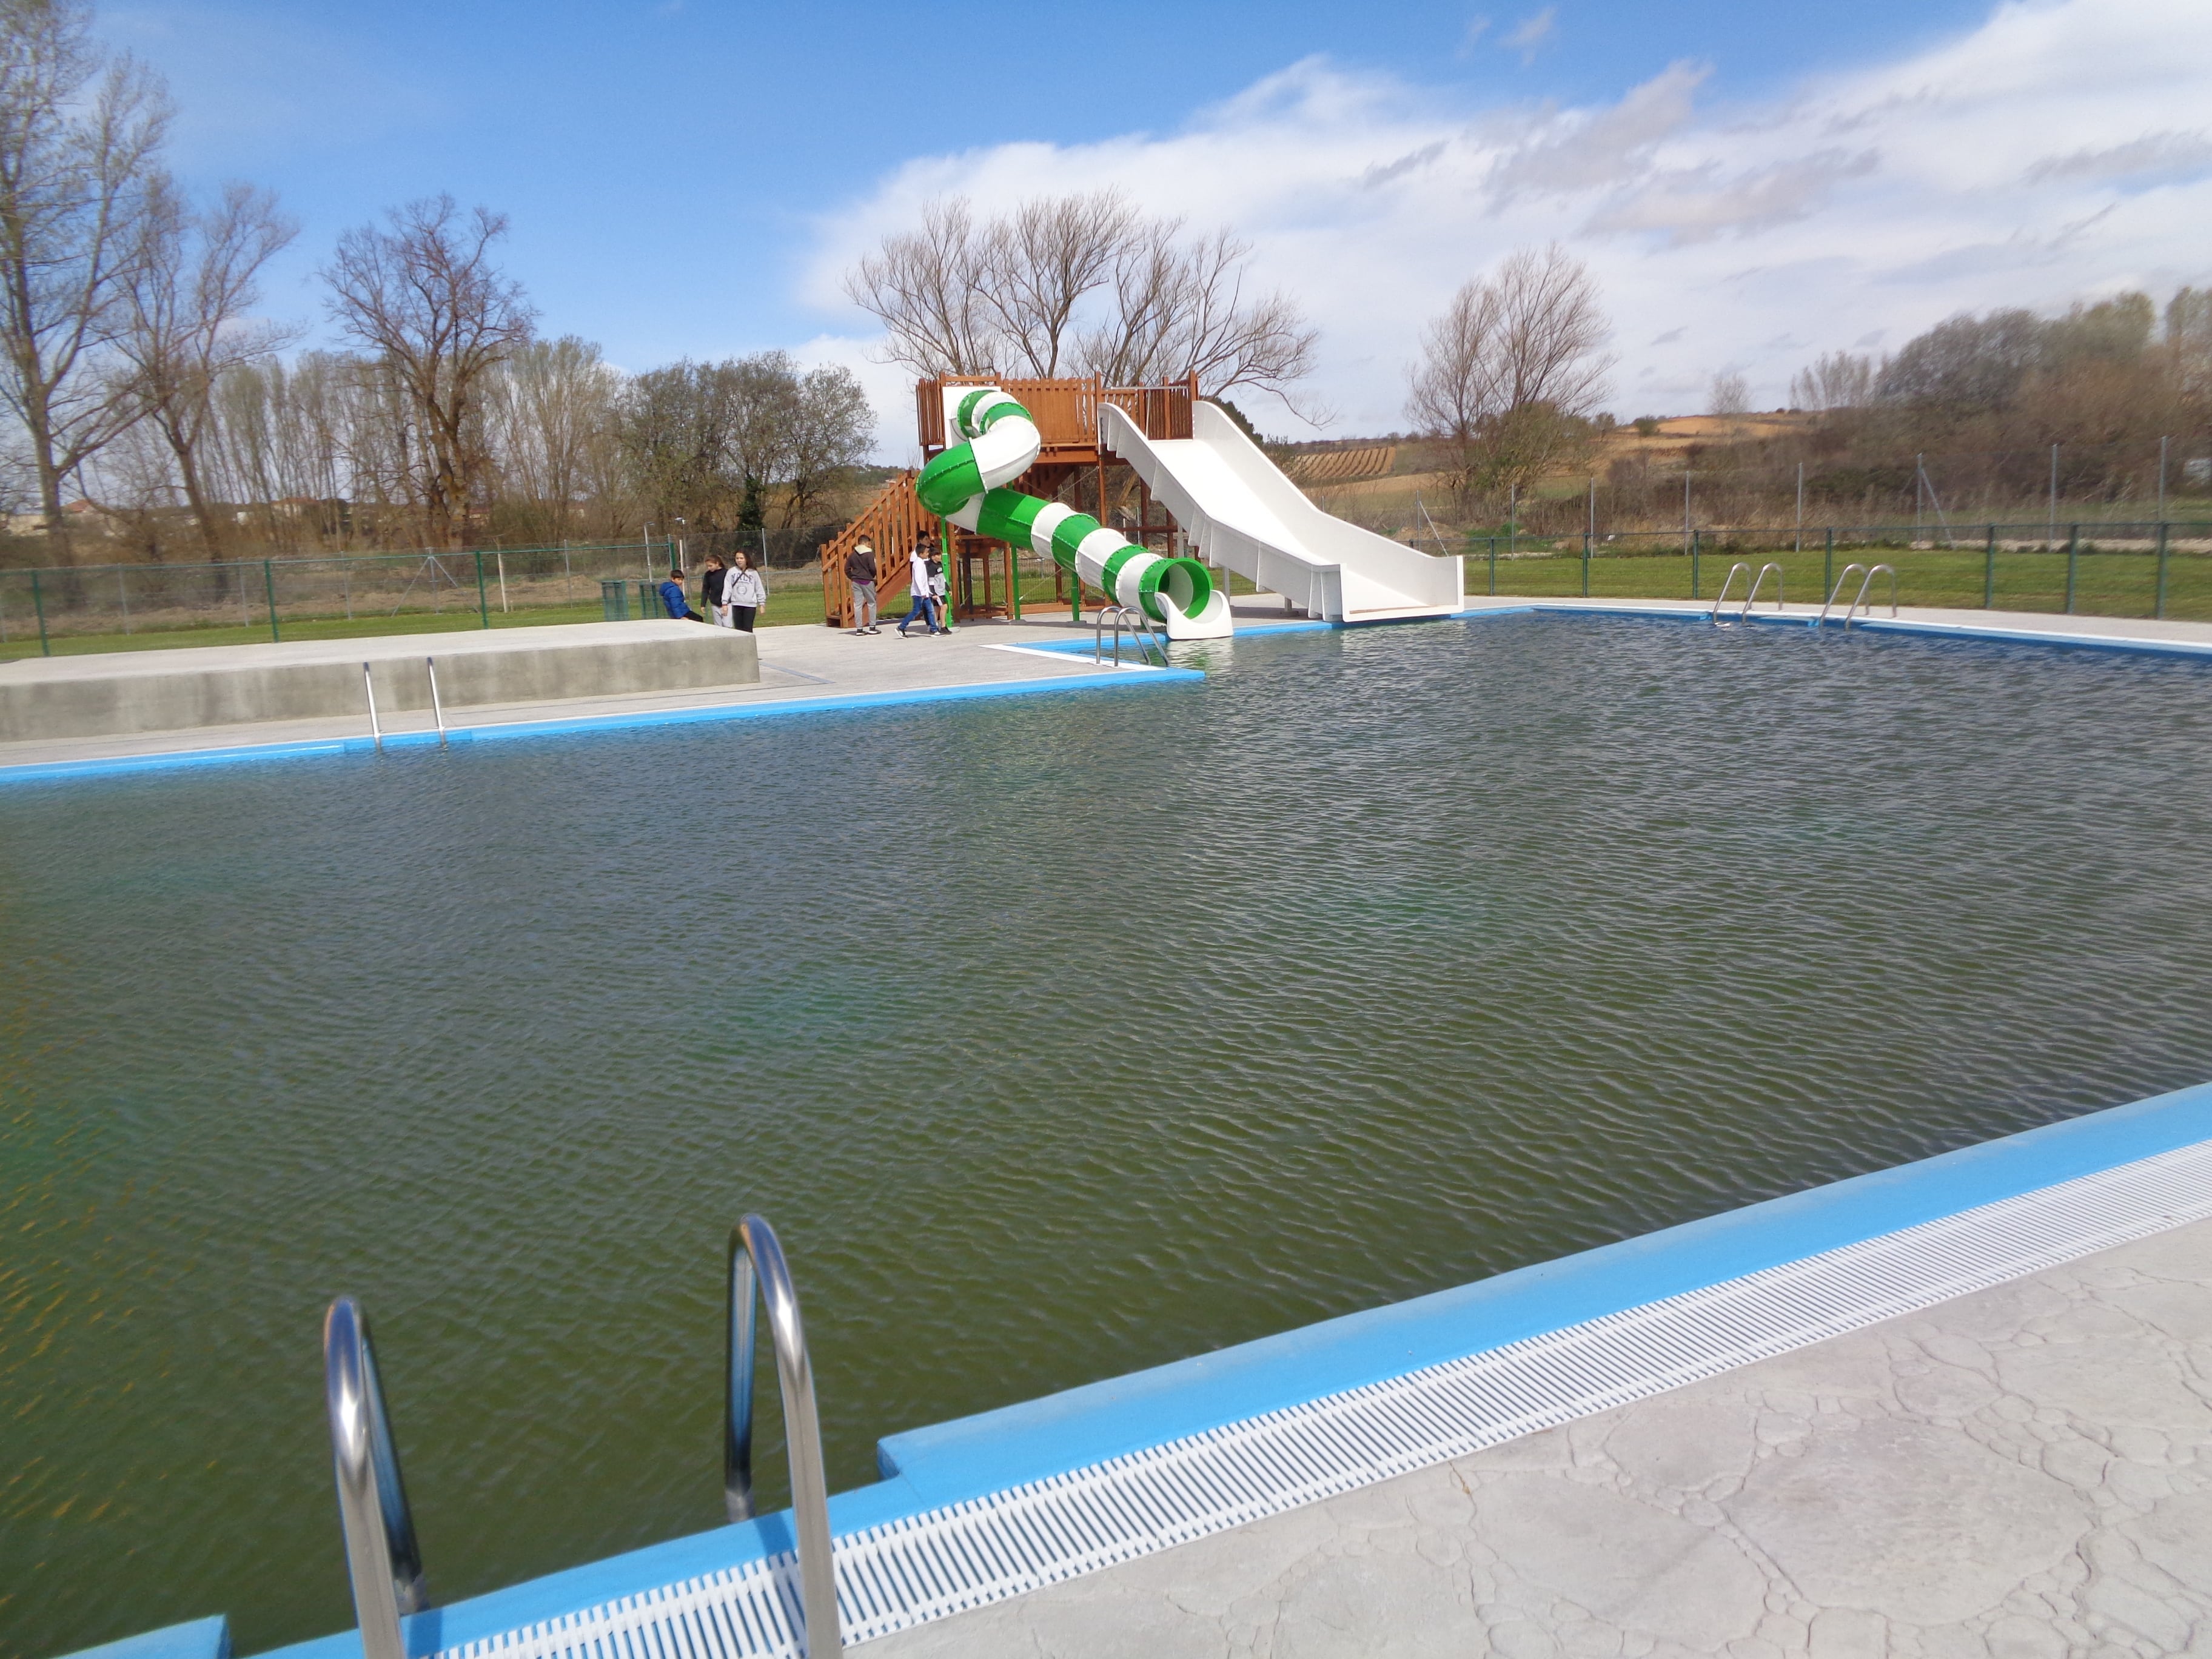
x=1481, y=943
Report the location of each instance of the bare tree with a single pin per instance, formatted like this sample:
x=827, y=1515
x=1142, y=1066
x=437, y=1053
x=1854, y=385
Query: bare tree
x=2189, y=344
x=926, y=287
x=424, y=295
x=1039, y=266
x=1731, y=394
x=1180, y=308
x=1083, y=283
x=1511, y=372
x=830, y=428
x=551, y=410
x=1455, y=393
x=1836, y=380
x=78, y=134
x=196, y=285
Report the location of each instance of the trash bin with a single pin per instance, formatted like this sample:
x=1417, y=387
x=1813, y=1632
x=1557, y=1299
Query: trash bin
x=648, y=600
x=614, y=600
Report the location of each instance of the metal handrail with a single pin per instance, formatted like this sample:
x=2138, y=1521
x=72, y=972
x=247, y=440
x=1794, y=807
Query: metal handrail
x=382, y=1558
x=1868, y=583
x=437, y=708
x=1844, y=576
x=1720, y=598
x=754, y=1252
x=369, y=684
x=1752, y=598
x=1141, y=632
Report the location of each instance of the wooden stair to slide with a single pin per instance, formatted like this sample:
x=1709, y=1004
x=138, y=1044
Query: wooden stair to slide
x=891, y=522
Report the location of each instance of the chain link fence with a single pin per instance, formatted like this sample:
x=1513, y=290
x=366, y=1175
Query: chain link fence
x=2115, y=569
x=119, y=606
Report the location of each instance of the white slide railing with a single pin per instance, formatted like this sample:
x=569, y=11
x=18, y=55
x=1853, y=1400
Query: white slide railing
x=1239, y=510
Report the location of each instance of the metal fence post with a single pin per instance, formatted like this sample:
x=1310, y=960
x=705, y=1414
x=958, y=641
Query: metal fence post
x=1694, y=537
x=2158, y=611
x=1493, y=567
x=1990, y=570
x=39, y=605
x=2073, y=562
x=483, y=602
x=268, y=586
x=1586, y=559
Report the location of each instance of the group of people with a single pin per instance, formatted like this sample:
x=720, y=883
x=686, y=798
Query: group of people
x=926, y=579
x=732, y=595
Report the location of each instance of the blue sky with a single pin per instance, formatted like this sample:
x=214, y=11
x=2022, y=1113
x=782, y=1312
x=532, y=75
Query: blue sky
x=687, y=177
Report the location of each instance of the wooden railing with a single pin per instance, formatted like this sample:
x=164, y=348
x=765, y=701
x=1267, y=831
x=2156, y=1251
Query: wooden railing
x=893, y=522
x=1066, y=410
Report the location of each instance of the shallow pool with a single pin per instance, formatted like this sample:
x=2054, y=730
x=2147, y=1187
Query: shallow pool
x=1058, y=1036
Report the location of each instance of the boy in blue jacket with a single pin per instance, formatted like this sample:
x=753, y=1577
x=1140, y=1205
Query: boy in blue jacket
x=672, y=595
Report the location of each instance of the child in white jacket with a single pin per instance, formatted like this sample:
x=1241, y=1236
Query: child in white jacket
x=744, y=592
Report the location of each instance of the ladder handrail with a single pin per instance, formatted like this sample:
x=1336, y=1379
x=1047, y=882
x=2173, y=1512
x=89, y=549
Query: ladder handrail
x=1720, y=598
x=437, y=707
x=1751, y=598
x=755, y=1253
x=1868, y=583
x=1844, y=576
x=1120, y=613
x=382, y=1558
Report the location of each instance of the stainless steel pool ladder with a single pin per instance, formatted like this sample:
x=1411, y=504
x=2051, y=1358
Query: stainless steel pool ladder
x=1143, y=631
x=755, y=1253
x=1866, y=576
x=1750, y=598
x=382, y=1558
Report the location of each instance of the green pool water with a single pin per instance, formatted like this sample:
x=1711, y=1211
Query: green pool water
x=1058, y=1035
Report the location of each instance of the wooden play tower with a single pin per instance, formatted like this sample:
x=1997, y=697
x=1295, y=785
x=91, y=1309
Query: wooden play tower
x=1070, y=467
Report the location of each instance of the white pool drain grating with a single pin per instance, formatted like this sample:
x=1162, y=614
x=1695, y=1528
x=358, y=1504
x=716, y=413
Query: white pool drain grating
x=906, y=1572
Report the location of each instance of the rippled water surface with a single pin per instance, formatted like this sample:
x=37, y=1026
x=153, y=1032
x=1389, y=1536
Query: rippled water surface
x=1058, y=1035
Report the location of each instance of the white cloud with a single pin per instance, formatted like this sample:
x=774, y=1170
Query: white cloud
x=1531, y=34
x=2056, y=151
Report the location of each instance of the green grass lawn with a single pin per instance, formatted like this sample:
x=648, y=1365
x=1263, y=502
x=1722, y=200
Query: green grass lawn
x=2105, y=585
x=785, y=606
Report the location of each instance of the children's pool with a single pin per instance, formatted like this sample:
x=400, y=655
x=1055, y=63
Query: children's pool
x=1058, y=1035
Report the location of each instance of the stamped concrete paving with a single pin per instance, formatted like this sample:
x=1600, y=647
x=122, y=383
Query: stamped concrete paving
x=2020, y=1473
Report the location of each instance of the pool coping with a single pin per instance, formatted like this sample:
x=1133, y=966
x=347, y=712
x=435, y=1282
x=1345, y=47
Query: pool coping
x=580, y=725
x=970, y=1459
x=558, y=726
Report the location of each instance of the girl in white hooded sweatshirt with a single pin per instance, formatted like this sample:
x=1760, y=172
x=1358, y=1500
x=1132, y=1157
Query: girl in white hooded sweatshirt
x=744, y=592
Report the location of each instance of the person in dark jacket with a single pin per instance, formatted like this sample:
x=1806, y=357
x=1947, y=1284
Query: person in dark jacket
x=860, y=571
x=672, y=595
x=711, y=580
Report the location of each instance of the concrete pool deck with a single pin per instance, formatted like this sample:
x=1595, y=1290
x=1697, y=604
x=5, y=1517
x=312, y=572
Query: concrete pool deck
x=1955, y=1407
x=2024, y=1471
x=801, y=666
x=798, y=666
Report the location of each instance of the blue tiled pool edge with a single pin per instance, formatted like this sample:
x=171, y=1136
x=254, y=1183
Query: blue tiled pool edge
x=970, y=1457
x=41, y=771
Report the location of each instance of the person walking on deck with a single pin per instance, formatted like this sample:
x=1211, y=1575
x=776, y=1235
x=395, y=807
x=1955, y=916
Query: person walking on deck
x=860, y=571
x=746, y=591
x=939, y=587
x=712, y=599
x=921, y=583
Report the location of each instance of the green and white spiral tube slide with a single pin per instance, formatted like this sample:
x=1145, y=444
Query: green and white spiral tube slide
x=966, y=484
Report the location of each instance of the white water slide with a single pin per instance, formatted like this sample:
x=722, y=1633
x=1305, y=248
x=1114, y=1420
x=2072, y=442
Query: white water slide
x=1240, y=511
